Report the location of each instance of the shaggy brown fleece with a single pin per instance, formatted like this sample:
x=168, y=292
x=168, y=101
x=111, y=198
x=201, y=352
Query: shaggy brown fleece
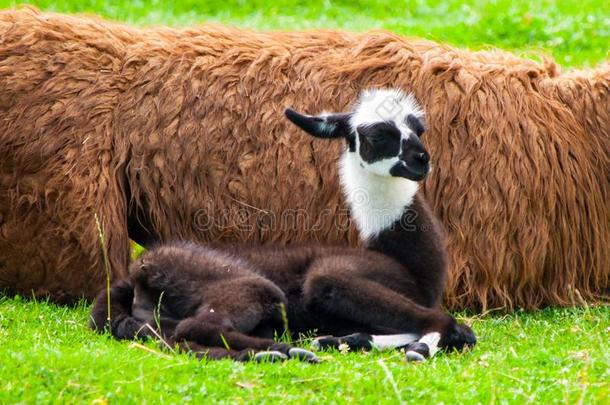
x=179, y=134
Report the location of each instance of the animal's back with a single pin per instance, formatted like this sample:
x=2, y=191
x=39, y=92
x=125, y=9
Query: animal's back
x=181, y=132
x=187, y=263
x=59, y=82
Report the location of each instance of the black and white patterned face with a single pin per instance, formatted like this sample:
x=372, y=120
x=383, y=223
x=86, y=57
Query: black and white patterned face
x=387, y=126
x=384, y=131
x=387, y=150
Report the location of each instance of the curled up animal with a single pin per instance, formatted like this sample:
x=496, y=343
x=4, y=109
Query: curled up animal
x=231, y=300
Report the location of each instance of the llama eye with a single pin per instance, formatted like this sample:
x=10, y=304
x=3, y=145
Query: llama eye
x=377, y=139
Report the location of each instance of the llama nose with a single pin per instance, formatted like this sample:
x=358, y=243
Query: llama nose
x=422, y=157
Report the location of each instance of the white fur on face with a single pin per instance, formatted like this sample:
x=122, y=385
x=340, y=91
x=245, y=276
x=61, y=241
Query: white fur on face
x=381, y=167
x=376, y=198
x=379, y=105
x=376, y=202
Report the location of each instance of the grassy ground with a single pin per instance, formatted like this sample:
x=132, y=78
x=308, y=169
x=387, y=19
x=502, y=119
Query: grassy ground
x=575, y=32
x=48, y=354
x=553, y=356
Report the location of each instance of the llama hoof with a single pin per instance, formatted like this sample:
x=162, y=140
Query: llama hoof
x=302, y=355
x=414, y=356
x=460, y=337
x=417, y=351
x=270, y=356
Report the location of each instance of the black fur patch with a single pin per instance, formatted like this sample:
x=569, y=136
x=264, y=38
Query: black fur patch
x=418, y=347
x=379, y=141
x=415, y=124
x=355, y=341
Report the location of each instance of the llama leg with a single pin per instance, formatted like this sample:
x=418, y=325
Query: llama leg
x=424, y=348
x=120, y=323
x=415, y=349
x=365, y=341
x=219, y=353
x=213, y=330
x=210, y=331
x=369, y=303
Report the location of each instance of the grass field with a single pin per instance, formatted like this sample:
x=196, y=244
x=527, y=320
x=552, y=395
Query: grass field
x=552, y=356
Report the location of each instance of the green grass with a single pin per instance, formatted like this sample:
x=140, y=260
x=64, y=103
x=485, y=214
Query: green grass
x=575, y=32
x=553, y=356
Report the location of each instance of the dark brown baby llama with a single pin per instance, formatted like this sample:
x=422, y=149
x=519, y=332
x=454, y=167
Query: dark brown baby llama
x=229, y=301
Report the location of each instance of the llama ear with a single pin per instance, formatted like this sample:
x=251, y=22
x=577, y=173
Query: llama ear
x=321, y=126
x=416, y=124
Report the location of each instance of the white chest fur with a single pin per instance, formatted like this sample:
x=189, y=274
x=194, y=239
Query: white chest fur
x=376, y=202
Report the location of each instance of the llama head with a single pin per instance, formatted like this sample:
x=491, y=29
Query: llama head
x=383, y=131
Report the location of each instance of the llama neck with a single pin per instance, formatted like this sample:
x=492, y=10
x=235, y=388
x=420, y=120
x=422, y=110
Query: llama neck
x=376, y=202
x=393, y=221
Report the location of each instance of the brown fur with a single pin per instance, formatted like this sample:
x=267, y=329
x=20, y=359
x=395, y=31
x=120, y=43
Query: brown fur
x=172, y=125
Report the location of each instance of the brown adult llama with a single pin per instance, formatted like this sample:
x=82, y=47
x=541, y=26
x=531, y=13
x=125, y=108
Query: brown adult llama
x=177, y=134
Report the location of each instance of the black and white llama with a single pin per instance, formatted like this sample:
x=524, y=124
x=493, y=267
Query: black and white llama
x=231, y=300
